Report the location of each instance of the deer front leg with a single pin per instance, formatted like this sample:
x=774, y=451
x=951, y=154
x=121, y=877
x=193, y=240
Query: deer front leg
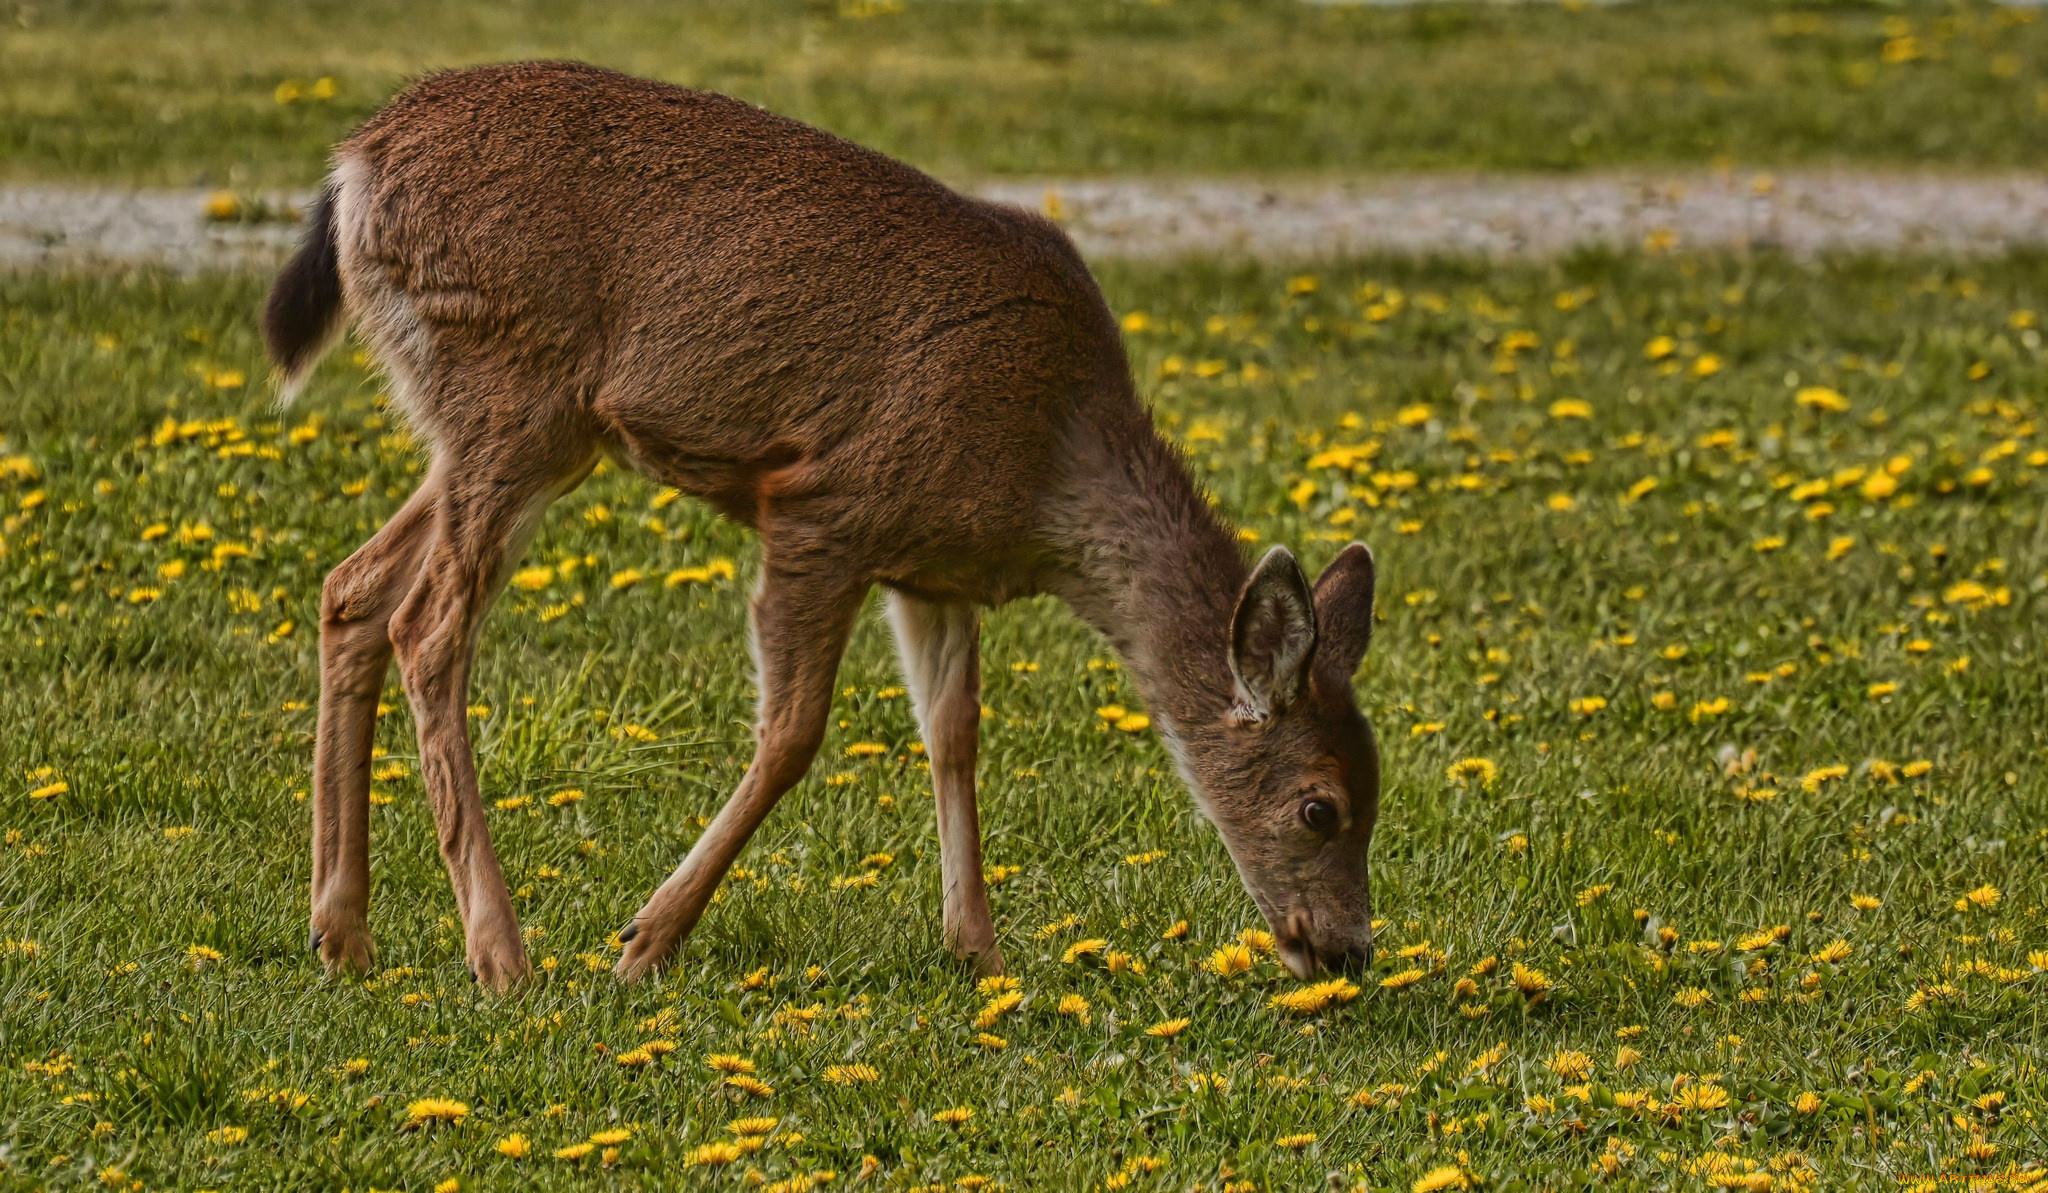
x=481, y=523
x=356, y=605
x=940, y=646
x=802, y=616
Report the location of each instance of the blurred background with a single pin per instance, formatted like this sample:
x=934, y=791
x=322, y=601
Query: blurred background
x=230, y=94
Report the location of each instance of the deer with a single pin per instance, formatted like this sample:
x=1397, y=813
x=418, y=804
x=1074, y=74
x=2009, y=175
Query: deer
x=892, y=384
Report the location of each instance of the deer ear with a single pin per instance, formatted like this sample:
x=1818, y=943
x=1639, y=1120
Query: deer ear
x=1272, y=638
x=1344, y=596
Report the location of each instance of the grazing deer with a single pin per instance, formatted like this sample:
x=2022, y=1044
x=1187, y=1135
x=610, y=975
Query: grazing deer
x=891, y=383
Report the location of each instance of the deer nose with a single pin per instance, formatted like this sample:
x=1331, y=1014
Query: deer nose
x=1352, y=961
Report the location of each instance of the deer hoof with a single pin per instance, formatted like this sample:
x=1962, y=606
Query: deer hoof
x=628, y=932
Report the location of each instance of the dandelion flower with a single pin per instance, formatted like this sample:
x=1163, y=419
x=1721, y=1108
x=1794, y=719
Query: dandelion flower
x=576, y=1151
x=712, y=1155
x=1294, y=1143
x=515, y=1146
x=726, y=1062
x=1985, y=896
x=953, y=1117
x=1820, y=397
x=1228, y=960
x=1310, y=999
x=1693, y=997
x=1571, y=1066
x=1077, y=1006
x=1835, y=953
x=851, y=1074
x=997, y=1007
x=1812, y=780
x=1168, y=1029
x=1440, y=1178
x=1083, y=948
x=1465, y=769
x=750, y=1085
x=1403, y=979
x=429, y=1110
x=1533, y=983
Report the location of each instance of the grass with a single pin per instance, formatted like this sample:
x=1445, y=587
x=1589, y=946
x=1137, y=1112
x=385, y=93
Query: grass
x=1784, y=520
x=232, y=94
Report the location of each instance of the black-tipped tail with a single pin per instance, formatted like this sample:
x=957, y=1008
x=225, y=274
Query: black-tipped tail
x=304, y=309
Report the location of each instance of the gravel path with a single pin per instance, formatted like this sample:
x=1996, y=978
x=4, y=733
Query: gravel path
x=1522, y=216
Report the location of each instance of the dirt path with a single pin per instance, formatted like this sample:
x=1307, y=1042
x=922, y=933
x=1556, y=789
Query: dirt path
x=1523, y=216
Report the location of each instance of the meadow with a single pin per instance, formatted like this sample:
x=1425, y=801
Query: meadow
x=244, y=93
x=1709, y=687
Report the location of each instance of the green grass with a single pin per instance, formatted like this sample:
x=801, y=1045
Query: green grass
x=183, y=92
x=1507, y=597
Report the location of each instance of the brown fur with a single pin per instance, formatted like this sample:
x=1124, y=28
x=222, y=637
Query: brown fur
x=891, y=383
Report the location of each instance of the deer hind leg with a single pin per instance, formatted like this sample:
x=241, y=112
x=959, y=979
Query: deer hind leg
x=488, y=509
x=803, y=612
x=356, y=605
x=940, y=645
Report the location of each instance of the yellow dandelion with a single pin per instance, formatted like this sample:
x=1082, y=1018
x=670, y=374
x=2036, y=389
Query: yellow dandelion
x=430, y=1110
x=1813, y=780
x=1091, y=947
x=1533, y=983
x=1465, y=769
x=1309, y=999
x=1403, y=979
x=1820, y=397
x=1168, y=1029
x=712, y=1155
x=1440, y=1178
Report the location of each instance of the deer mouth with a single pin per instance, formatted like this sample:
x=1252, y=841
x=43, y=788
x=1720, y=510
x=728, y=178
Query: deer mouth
x=1292, y=943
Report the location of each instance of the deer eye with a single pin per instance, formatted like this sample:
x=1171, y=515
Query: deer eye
x=1320, y=815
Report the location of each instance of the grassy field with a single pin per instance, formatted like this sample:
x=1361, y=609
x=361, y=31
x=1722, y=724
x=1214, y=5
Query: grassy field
x=247, y=93
x=1710, y=684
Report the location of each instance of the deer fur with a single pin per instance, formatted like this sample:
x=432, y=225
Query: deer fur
x=891, y=383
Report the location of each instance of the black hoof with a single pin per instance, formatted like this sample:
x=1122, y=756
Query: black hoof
x=472, y=973
x=313, y=941
x=629, y=931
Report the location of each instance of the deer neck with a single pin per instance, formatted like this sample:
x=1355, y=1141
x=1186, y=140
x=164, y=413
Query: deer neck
x=1154, y=569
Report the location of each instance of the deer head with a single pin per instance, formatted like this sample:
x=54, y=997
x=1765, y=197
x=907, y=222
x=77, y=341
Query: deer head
x=1291, y=773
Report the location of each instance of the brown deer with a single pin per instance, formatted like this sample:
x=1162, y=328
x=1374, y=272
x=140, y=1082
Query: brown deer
x=891, y=383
